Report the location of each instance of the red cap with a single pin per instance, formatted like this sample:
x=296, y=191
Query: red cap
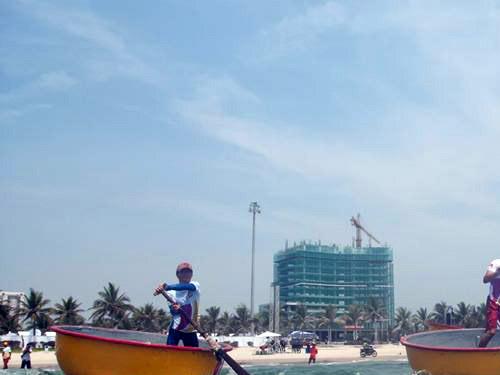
x=184, y=266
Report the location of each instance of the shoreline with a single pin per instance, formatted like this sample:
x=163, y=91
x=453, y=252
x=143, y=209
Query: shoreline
x=246, y=356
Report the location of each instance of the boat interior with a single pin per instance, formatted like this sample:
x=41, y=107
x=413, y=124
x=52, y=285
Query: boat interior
x=454, y=338
x=117, y=334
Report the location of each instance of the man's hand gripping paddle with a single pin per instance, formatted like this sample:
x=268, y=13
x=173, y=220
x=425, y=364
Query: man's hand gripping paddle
x=218, y=351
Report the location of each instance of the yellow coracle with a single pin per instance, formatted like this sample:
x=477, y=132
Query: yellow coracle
x=84, y=350
x=452, y=352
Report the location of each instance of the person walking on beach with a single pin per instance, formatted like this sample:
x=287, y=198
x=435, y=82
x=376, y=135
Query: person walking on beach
x=6, y=354
x=186, y=295
x=312, y=353
x=492, y=276
x=26, y=357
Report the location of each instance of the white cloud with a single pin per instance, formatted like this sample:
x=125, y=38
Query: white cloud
x=105, y=36
x=10, y=113
x=297, y=33
x=56, y=81
x=424, y=163
x=82, y=24
x=43, y=84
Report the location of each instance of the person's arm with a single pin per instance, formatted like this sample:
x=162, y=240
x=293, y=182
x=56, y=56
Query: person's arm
x=491, y=273
x=181, y=286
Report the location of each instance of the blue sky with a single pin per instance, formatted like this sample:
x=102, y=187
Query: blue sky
x=133, y=137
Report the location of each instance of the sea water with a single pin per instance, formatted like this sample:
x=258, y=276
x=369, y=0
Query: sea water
x=354, y=368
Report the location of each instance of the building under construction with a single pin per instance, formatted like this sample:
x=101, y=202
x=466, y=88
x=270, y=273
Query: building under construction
x=317, y=275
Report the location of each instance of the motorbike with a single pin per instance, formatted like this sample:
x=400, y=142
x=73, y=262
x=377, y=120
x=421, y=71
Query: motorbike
x=367, y=351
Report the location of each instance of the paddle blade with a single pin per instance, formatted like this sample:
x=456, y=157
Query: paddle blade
x=232, y=363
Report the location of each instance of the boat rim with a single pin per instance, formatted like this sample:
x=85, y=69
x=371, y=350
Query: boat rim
x=63, y=331
x=404, y=341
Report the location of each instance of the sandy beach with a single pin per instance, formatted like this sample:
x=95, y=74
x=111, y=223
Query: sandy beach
x=334, y=353
x=247, y=356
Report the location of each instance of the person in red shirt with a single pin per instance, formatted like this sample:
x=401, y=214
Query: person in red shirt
x=313, y=353
x=492, y=276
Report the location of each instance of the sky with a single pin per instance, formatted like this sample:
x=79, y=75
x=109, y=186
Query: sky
x=134, y=136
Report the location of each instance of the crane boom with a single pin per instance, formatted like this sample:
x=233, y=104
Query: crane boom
x=356, y=222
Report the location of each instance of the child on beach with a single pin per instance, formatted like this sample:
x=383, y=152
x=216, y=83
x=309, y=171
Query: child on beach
x=186, y=294
x=312, y=353
x=26, y=357
x=6, y=353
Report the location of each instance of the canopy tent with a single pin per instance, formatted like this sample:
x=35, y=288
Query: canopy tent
x=268, y=334
x=10, y=337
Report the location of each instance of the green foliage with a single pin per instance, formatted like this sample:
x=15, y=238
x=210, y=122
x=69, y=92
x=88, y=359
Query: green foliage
x=112, y=309
x=212, y=318
x=35, y=311
x=9, y=319
x=68, y=312
x=420, y=319
x=403, y=321
x=262, y=321
x=146, y=318
x=439, y=313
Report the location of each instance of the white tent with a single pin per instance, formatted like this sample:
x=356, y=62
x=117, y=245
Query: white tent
x=10, y=337
x=268, y=334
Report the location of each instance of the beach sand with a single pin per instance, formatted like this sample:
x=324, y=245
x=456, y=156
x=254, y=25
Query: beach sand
x=333, y=353
x=247, y=356
x=39, y=359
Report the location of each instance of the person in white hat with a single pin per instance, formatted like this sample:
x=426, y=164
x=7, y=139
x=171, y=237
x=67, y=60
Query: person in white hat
x=6, y=354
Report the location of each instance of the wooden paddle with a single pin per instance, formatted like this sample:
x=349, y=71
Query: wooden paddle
x=218, y=351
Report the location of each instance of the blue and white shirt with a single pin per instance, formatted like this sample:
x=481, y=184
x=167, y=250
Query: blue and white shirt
x=187, y=295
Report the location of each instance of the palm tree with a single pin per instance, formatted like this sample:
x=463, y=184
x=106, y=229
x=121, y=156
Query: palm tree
x=162, y=319
x=145, y=318
x=328, y=318
x=374, y=313
x=463, y=314
x=9, y=319
x=420, y=319
x=439, y=313
x=4, y=317
x=480, y=315
x=68, y=312
x=243, y=318
x=212, y=315
x=300, y=318
x=403, y=321
x=34, y=308
x=262, y=319
x=112, y=308
x=354, y=314
x=224, y=323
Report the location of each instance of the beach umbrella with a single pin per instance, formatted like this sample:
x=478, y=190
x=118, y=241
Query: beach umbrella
x=268, y=334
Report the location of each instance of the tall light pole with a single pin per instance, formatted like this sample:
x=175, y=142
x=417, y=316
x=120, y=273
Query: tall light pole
x=254, y=209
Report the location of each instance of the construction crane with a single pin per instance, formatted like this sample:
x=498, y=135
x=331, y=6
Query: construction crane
x=357, y=223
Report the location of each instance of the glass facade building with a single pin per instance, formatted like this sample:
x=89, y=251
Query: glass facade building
x=316, y=275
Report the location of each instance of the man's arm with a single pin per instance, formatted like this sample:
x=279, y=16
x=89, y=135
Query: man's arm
x=490, y=275
x=180, y=286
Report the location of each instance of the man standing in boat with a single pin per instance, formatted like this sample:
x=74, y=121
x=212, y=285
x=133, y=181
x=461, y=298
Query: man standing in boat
x=491, y=276
x=186, y=295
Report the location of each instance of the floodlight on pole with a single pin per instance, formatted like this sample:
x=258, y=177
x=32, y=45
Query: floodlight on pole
x=254, y=209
